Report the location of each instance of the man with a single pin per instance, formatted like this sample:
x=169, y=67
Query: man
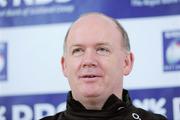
x=96, y=58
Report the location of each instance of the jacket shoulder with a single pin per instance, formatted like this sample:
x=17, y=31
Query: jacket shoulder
x=147, y=115
x=57, y=116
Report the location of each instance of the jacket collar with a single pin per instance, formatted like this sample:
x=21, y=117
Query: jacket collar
x=112, y=104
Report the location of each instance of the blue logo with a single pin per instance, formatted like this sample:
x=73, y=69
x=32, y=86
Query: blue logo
x=31, y=107
x=3, y=61
x=21, y=12
x=19, y=3
x=171, y=50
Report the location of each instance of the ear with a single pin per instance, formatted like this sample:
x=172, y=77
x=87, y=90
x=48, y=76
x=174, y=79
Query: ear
x=63, y=65
x=129, y=61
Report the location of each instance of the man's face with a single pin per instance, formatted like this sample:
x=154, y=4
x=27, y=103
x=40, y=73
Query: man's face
x=95, y=61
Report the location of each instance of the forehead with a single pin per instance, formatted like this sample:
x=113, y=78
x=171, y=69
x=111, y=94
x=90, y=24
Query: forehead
x=94, y=21
x=94, y=28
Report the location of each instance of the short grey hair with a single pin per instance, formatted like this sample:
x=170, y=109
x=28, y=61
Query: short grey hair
x=125, y=41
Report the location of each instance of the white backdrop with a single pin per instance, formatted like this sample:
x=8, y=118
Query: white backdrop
x=33, y=66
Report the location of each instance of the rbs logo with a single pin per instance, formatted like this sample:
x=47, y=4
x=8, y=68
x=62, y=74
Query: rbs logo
x=22, y=11
x=152, y=104
x=171, y=50
x=3, y=61
x=17, y=3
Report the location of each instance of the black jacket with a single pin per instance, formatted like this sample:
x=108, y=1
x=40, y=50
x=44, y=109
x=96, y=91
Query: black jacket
x=113, y=109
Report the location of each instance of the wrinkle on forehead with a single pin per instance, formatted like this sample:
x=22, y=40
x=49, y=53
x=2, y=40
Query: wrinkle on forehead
x=96, y=21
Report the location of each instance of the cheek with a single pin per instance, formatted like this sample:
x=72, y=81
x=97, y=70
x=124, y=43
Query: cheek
x=72, y=70
x=72, y=66
x=113, y=67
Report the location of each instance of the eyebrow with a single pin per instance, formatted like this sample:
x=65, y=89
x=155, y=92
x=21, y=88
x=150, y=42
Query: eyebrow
x=103, y=43
x=76, y=45
x=98, y=44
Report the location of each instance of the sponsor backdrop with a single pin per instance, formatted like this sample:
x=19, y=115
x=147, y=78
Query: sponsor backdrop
x=31, y=36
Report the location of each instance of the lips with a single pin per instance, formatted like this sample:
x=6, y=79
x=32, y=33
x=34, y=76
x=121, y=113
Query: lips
x=90, y=77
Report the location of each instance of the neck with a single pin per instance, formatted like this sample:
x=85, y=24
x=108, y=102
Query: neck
x=93, y=103
x=96, y=103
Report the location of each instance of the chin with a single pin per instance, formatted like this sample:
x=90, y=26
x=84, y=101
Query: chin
x=91, y=93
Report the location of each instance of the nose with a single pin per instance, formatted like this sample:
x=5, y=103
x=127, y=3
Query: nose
x=89, y=59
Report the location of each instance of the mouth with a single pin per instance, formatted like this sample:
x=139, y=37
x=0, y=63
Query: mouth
x=90, y=77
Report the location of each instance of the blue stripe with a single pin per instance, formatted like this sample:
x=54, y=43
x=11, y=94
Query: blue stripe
x=34, y=14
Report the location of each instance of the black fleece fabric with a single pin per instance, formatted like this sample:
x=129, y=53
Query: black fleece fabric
x=113, y=109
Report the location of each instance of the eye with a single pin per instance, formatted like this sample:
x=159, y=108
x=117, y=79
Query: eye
x=103, y=51
x=77, y=51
